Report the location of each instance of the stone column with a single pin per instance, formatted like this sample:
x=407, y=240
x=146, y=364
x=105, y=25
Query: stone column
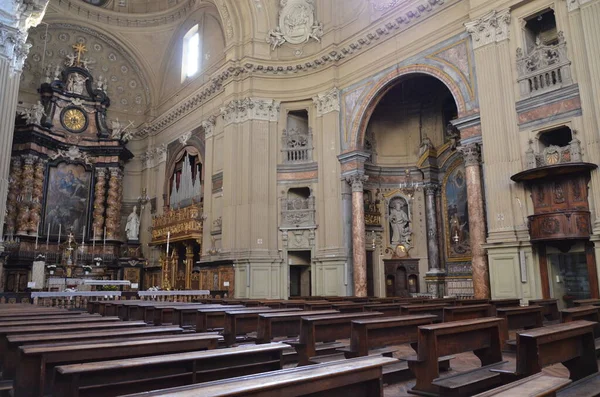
x=481, y=274
x=25, y=195
x=113, y=210
x=358, y=233
x=37, y=195
x=100, y=192
x=434, y=279
x=13, y=192
x=16, y=17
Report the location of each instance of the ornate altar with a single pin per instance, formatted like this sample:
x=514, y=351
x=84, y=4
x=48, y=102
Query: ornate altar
x=178, y=233
x=65, y=180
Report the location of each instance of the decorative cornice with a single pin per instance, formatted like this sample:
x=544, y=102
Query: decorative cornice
x=16, y=18
x=240, y=110
x=412, y=13
x=91, y=12
x=328, y=101
x=491, y=28
x=154, y=156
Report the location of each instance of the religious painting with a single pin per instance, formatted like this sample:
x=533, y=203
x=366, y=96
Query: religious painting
x=68, y=188
x=456, y=215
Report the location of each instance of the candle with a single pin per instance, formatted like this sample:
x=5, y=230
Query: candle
x=94, y=241
x=59, y=230
x=168, y=239
x=104, y=245
x=83, y=236
x=48, y=237
x=37, y=235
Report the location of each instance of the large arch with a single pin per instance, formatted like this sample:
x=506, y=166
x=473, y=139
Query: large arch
x=370, y=100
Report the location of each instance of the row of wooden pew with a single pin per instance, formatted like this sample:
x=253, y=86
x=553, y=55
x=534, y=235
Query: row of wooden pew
x=65, y=353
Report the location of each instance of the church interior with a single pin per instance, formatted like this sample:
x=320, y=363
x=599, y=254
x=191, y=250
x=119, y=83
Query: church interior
x=368, y=197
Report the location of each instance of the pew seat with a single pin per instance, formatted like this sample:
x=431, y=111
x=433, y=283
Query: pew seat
x=537, y=385
x=357, y=377
x=469, y=382
x=586, y=387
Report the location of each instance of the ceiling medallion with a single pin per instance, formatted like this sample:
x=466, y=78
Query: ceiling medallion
x=297, y=24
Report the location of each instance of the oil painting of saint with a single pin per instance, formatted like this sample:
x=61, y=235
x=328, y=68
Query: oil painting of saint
x=456, y=214
x=67, y=199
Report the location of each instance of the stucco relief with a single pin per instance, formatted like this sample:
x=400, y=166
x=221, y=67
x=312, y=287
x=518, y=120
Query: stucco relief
x=297, y=24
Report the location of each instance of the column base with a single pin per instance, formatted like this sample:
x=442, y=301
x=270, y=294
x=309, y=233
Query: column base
x=435, y=280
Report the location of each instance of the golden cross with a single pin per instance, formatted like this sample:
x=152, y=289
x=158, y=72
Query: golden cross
x=80, y=49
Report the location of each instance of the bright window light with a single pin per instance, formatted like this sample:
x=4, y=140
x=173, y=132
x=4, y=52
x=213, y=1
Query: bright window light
x=191, y=53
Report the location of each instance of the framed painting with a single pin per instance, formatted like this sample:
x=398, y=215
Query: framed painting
x=456, y=213
x=68, y=195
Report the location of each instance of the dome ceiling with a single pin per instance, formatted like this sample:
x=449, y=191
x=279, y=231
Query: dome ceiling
x=127, y=89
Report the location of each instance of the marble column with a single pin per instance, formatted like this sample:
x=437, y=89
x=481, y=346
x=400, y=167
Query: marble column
x=113, y=210
x=99, y=197
x=16, y=17
x=37, y=196
x=358, y=234
x=435, y=277
x=477, y=231
x=11, y=203
x=25, y=195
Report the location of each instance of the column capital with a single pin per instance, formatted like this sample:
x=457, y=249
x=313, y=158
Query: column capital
x=240, y=110
x=493, y=27
x=431, y=188
x=209, y=126
x=328, y=101
x=471, y=154
x=357, y=181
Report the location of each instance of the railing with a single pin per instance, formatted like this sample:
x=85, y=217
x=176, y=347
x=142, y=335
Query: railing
x=298, y=212
x=173, y=296
x=552, y=155
x=296, y=146
x=544, y=68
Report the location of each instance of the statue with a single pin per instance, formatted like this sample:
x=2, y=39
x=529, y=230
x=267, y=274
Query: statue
x=76, y=83
x=100, y=84
x=70, y=60
x=48, y=73
x=400, y=223
x=426, y=145
x=34, y=114
x=133, y=225
x=57, y=73
x=275, y=38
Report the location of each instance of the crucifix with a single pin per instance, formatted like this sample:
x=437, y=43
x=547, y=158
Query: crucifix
x=79, y=49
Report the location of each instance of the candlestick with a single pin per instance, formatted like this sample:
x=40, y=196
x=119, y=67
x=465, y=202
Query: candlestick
x=59, y=230
x=168, y=239
x=37, y=235
x=94, y=241
x=104, y=245
x=48, y=238
x=83, y=236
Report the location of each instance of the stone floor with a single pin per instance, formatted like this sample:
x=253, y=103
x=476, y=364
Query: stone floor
x=461, y=362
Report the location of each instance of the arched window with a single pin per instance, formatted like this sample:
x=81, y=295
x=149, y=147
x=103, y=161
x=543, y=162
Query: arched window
x=190, y=62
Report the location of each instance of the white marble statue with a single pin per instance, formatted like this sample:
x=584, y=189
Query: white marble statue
x=133, y=225
x=400, y=223
x=34, y=114
x=76, y=83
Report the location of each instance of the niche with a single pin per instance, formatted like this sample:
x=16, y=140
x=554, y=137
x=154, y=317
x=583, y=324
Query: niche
x=540, y=27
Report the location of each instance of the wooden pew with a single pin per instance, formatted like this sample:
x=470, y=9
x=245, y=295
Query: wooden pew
x=511, y=302
x=571, y=344
x=286, y=324
x=60, y=320
x=586, y=302
x=4, y=320
x=585, y=387
x=481, y=336
x=318, y=305
x=348, y=307
x=388, y=309
x=589, y=313
x=36, y=312
x=437, y=309
x=11, y=353
x=464, y=302
x=36, y=363
x=549, y=308
x=520, y=317
x=134, y=375
x=467, y=312
x=358, y=377
x=374, y=333
x=537, y=385
x=324, y=328
x=242, y=322
x=185, y=316
x=214, y=317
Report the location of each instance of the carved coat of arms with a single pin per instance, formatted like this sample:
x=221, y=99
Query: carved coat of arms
x=297, y=24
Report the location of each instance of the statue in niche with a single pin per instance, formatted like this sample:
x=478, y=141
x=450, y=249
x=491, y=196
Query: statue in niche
x=399, y=222
x=76, y=83
x=426, y=145
x=133, y=225
x=452, y=135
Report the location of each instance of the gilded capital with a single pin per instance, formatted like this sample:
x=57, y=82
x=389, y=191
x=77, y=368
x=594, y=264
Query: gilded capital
x=491, y=28
x=471, y=154
x=357, y=181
